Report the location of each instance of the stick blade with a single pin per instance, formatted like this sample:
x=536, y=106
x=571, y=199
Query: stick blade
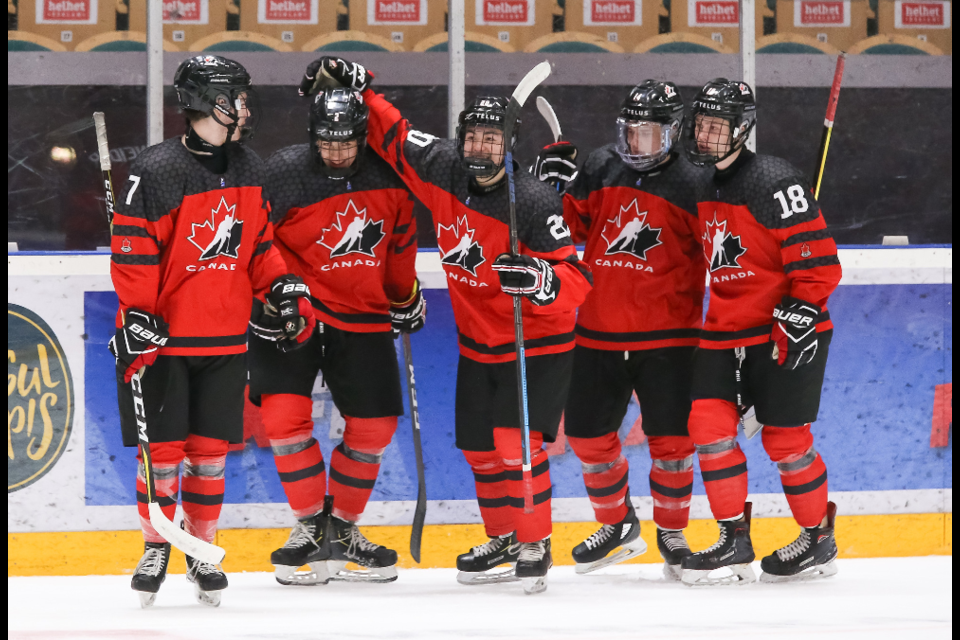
x=546, y=110
x=202, y=551
x=530, y=81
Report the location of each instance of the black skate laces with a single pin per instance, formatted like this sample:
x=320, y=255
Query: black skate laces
x=532, y=551
x=795, y=548
x=152, y=562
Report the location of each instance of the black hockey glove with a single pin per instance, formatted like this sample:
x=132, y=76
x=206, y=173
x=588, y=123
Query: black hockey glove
x=555, y=165
x=336, y=72
x=794, y=332
x=527, y=276
x=409, y=316
x=137, y=343
x=289, y=299
x=265, y=323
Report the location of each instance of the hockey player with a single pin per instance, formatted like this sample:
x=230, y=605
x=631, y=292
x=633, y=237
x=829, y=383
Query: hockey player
x=344, y=223
x=462, y=182
x=634, y=205
x=772, y=265
x=192, y=245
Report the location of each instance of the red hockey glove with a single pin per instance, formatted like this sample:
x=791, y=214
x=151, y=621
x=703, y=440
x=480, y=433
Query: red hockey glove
x=409, y=316
x=289, y=299
x=527, y=276
x=555, y=165
x=794, y=332
x=336, y=72
x=137, y=343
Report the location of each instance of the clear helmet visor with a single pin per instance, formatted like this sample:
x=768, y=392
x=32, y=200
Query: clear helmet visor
x=239, y=111
x=643, y=144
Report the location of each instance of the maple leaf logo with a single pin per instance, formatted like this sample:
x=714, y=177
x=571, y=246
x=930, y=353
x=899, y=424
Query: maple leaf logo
x=361, y=234
x=221, y=235
x=629, y=233
x=466, y=254
x=724, y=247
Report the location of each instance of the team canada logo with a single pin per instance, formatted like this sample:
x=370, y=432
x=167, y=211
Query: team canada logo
x=220, y=235
x=361, y=235
x=629, y=233
x=721, y=247
x=466, y=253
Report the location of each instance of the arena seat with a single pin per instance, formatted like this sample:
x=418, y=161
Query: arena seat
x=918, y=24
x=572, y=42
x=681, y=42
x=893, y=44
x=238, y=41
x=474, y=43
x=23, y=41
x=837, y=23
x=625, y=23
x=351, y=41
x=713, y=25
x=192, y=24
x=793, y=43
x=120, y=41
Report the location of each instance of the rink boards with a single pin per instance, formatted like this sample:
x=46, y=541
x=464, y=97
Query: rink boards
x=883, y=430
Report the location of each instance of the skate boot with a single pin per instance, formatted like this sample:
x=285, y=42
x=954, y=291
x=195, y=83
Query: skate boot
x=478, y=565
x=809, y=557
x=732, y=551
x=601, y=549
x=674, y=548
x=208, y=581
x=303, y=547
x=532, y=565
x=344, y=543
x=151, y=571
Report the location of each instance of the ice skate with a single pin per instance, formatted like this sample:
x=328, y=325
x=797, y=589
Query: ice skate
x=151, y=571
x=727, y=561
x=303, y=547
x=674, y=548
x=611, y=544
x=809, y=557
x=208, y=581
x=532, y=565
x=482, y=564
x=344, y=543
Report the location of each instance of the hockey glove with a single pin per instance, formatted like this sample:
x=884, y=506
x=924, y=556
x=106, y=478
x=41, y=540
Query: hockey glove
x=409, y=316
x=289, y=299
x=137, y=343
x=336, y=72
x=527, y=276
x=794, y=332
x=265, y=323
x=555, y=165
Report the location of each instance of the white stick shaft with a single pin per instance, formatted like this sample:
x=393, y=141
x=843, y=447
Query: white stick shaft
x=102, y=149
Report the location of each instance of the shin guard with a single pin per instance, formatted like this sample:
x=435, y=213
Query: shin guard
x=671, y=480
x=605, y=474
x=288, y=423
x=355, y=464
x=202, y=486
x=165, y=458
x=802, y=472
x=531, y=527
x=493, y=496
x=713, y=427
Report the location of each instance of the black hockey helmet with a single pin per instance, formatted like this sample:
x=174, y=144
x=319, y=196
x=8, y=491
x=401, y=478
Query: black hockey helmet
x=339, y=115
x=218, y=87
x=485, y=111
x=730, y=101
x=651, y=109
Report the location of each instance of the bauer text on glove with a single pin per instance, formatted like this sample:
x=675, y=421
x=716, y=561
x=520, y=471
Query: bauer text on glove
x=794, y=332
x=289, y=299
x=138, y=342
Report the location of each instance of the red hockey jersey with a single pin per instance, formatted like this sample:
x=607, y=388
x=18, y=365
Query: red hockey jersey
x=643, y=246
x=472, y=230
x=763, y=237
x=193, y=247
x=352, y=240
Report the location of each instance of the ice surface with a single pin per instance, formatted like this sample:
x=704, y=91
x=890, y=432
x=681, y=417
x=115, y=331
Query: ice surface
x=875, y=599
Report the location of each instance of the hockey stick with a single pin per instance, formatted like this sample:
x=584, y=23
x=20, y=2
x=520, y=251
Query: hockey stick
x=828, y=123
x=416, y=534
x=536, y=75
x=103, y=150
x=551, y=117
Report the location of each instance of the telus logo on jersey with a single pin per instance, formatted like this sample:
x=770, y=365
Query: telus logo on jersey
x=361, y=236
x=629, y=233
x=221, y=235
x=723, y=250
x=464, y=252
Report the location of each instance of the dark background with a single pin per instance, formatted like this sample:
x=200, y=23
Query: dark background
x=889, y=171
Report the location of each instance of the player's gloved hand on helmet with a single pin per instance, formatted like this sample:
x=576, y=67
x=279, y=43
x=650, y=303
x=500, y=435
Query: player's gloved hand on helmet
x=409, y=316
x=522, y=275
x=336, y=72
x=794, y=334
x=556, y=165
x=137, y=343
x=289, y=299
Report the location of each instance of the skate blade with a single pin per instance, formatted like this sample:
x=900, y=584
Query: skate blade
x=491, y=576
x=672, y=572
x=633, y=549
x=813, y=573
x=287, y=575
x=208, y=598
x=339, y=572
x=146, y=599
x=532, y=586
x=738, y=575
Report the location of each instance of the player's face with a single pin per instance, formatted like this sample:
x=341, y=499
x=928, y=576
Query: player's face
x=484, y=143
x=338, y=154
x=644, y=138
x=713, y=135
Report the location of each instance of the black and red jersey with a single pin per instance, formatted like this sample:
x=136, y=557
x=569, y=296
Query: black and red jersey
x=643, y=246
x=353, y=240
x=193, y=246
x=472, y=230
x=764, y=237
